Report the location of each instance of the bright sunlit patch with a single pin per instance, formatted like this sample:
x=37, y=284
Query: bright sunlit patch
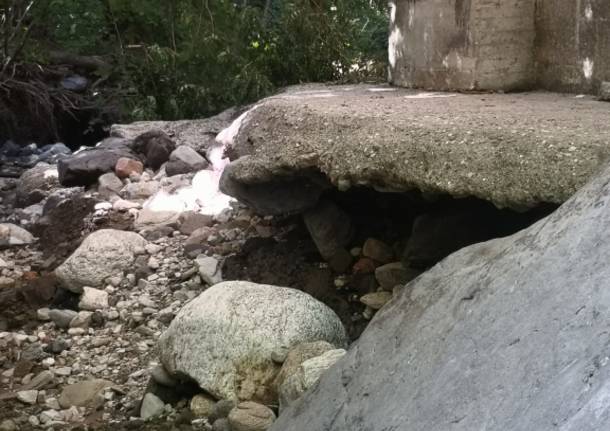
x=203, y=195
x=427, y=95
x=394, y=46
x=587, y=68
x=381, y=89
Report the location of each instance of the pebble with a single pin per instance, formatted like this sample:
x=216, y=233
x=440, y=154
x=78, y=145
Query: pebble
x=153, y=248
x=81, y=320
x=63, y=371
x=28, y=397
x=209, y=270
x=43, y=314
x=377, y=250
x=151, y=406
x=251, y=416
x=145, y=301
x=50, y=415
x=62, y=318
x=52, y=403
x=8, y=425
x=201, y=406
x=48, y=362
x=93, y=299
x=376, y=300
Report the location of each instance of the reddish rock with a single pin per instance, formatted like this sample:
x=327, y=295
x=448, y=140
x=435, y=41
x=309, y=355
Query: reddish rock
x=365, y=265
x=125, y=167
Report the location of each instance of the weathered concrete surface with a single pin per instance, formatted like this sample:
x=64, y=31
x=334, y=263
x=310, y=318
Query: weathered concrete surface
x=513, y=150
x=511, y=334
x=462, y=44
x=573, y=44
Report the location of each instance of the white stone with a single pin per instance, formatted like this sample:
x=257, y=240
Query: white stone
x=209, y=270
x=151, y=406
x=124, y=205
x=28, y=397
x=93, y=299
x=50, y=416
x=103, y=206
x=225, y=338
x=43, y=314
x=13, y=235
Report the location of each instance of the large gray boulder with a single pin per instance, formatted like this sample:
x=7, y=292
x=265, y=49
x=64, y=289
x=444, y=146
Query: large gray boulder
x=515, y=150
x=84, y=168
x=511, y=334
x=104, y=253
x=226, y=337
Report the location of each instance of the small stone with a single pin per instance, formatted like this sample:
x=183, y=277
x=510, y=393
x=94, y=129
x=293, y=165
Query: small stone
x=81, y=320
x=81, y=394
x=13, y=235
x=43, y=314
x=123, y=205
x=103, y=206
x=202, y=405
x=377, y=250
x=221, y=410
x=153, y=263
x=63, y=371
x=93, y=299
x=109, y=185
x=152, y=249
x=394, y=274
x=376, y=300
x=209, y=270
x=52, y=403
x=221, y=425
x=47, y=363
x=62, y=318
x=125, y=167
x=34, y=421
x=58, y=345
x=151, y=406
x=365, y=265
x=41, y=380
x=8, y=425
x=251, y=416
x=50, y=416
x=28, y=397
x=190, y=221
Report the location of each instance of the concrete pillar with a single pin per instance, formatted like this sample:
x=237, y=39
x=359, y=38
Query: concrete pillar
x=462, y=44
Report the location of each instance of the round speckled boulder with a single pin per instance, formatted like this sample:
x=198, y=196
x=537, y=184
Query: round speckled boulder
x=225, y=338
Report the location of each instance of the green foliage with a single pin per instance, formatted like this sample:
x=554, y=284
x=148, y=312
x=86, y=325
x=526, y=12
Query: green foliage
x=192, y=58
x=78, y=26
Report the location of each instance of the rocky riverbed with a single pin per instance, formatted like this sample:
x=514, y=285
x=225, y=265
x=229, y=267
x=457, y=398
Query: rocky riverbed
x=135, y=294
x=99, y=289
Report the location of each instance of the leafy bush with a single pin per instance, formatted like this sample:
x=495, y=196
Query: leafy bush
x=192, y=58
